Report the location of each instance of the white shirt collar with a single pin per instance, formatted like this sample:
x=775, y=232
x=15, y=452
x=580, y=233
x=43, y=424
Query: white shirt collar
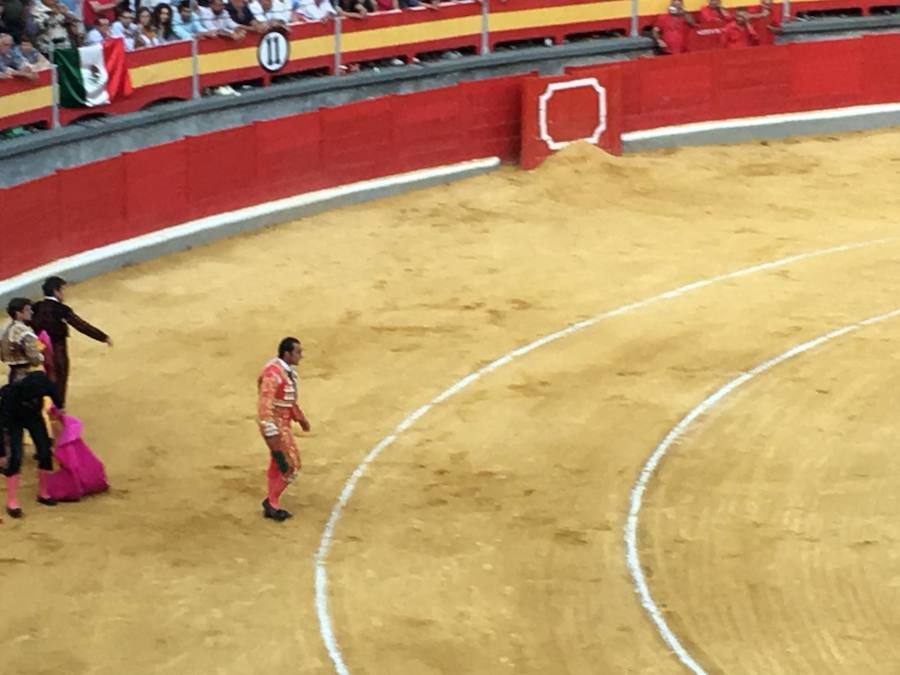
x=51, y=297
x=287, y=367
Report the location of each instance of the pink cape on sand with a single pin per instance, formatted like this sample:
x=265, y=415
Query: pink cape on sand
x=80, y=472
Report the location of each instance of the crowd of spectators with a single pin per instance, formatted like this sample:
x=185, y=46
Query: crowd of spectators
x=743, y=27
x=31, y=29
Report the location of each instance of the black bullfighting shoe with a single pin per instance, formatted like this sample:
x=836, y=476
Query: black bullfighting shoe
x=270, y=511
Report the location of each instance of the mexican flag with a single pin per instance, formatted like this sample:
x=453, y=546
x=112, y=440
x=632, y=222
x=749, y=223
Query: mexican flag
x=94, y=75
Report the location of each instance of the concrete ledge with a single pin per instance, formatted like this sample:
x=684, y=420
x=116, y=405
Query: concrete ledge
x=42, y=153
x=842, y=24
x=179, y=237
x=837, y=120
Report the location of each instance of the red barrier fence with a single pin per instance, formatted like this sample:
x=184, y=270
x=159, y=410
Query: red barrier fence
x=138, y=192
x=761, y=81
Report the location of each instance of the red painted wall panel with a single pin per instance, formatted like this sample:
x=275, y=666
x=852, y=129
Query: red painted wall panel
x=728, y=84
x=289, y=156
x=155, y=188
x=29, y=221
x=219, y=177
x=881, y=83
x=827, y=74
x=358, y=141
x=494, y=110
x=92, y=205
x=660, y=92
x=749, y=82
x=430, y=128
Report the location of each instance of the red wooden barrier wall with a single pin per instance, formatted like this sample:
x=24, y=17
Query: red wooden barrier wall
x=138, y=192
x=726, y=84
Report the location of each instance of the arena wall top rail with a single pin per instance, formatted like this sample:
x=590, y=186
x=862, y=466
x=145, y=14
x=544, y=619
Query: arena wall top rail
x=179, y=71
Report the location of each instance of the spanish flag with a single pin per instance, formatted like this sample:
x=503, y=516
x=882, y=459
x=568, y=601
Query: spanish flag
x=94, y=75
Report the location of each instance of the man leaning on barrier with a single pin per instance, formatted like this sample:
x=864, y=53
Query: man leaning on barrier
x=670, y=29
x=215, y=18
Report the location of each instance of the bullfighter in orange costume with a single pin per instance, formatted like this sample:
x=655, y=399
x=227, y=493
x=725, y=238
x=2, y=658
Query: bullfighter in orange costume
x=276, y=409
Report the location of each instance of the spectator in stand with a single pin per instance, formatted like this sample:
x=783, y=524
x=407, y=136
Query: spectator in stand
x=239, y=11
x=713, y=13
x=670, y=29
x=99, y=33
x=738, y=33
x=94, y=9
x=387, y=5
x=146, y=34
x=355, y=9
x=10, y=64
x=31, y=26
x=125, y=28
x=269, y=14
x=215, y=18
x=767, y=19
x=30, y=58
x=74, y=7
x=58, y=26
x=162, y=20
x=14, y=17
x=314, y=10
x=187, y=25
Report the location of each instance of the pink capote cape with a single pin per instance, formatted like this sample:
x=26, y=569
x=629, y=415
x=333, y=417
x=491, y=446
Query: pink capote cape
x=80, y=471
x=47, y=351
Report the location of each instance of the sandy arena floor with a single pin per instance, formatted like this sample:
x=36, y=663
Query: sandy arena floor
x=489, y=537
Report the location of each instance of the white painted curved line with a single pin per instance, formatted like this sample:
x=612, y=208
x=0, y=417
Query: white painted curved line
x=637, y=493
x=326, y=628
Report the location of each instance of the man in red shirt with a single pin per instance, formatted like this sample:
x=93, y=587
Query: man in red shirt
x=738, y=32
x=713, y=13
x=95, y=9
x=276, y=409
x=767, y=18
x=670, y=29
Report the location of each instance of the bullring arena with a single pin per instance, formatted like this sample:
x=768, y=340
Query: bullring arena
x=679, y=427
x=573, y=411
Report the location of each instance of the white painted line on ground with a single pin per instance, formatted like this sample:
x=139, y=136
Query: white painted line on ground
x=631, y=548
x=764, y=120
x=326, y=628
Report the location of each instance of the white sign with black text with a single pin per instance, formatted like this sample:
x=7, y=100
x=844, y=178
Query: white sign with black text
x=274, y=51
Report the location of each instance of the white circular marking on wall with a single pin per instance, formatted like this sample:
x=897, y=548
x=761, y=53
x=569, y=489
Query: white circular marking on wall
x=274, y=51
x=544, y=99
